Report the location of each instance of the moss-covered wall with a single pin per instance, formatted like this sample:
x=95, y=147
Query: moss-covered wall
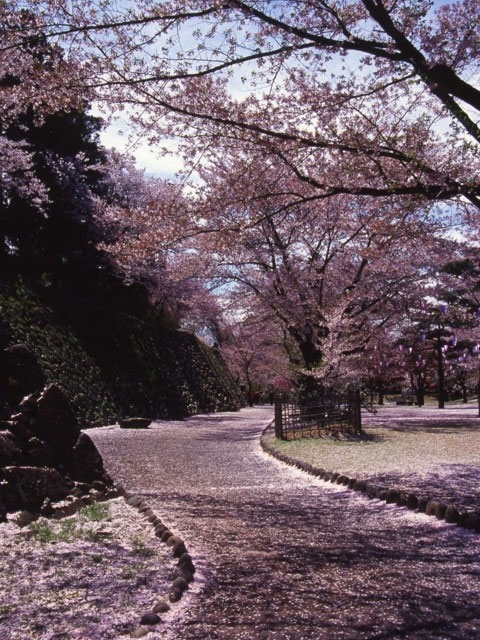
x=111, y=363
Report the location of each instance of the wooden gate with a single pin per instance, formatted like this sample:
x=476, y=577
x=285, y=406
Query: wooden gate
x=316, y=415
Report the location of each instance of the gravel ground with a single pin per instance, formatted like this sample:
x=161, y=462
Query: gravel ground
x=284, y=556
x=88, y=577
x=427, y=450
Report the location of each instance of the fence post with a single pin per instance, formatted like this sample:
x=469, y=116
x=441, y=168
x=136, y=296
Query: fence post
x=278, y=417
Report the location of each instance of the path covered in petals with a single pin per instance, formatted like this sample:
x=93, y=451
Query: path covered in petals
x=285, y=556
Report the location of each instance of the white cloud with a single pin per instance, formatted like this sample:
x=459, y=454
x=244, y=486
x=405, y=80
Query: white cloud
x=118, y=135
x=154, y=163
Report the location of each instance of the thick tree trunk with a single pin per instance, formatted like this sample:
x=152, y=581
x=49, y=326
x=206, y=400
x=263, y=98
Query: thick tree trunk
x=250, y=392
x=479, y=390
x=420, y=391
x=441, y=376
x=420, y=397
x=311, y=355
x=381, y=394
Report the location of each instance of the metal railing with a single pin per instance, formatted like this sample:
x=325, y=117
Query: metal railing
x=316, y=415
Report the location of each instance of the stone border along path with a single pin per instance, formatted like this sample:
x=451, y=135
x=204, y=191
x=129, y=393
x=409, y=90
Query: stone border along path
x=391, y=495
x=285, y=556
x=183, y=575
x=426, y=451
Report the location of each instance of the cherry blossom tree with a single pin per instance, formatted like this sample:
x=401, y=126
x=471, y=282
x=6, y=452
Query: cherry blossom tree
x=378, y=366
x=415, y=353
x=141, y=217
x=61, y=192
x=363, y=98
x=326, y=136
x=460, y=290
x=33, y=77
x=329, y=272
x=254, y=352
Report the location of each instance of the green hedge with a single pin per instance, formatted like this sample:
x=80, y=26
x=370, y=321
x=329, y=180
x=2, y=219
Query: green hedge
x=112, y=364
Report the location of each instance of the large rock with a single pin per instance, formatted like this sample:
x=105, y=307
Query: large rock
x=412, y=501
x=10, y=452
x=452, y=515
x=28, y=406
x=38, y=454
x=18, y=429
x=42, y=453
x=24, y=373
x=33, y=484
x=472, y=521
x=54, y=420
x=85, y=463
x=392, y=496
x=134, y=423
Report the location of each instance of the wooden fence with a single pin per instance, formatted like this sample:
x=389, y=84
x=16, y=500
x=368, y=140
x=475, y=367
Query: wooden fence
x=317, y=415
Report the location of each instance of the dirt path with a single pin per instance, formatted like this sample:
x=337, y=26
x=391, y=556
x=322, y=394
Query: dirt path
x=285, y=556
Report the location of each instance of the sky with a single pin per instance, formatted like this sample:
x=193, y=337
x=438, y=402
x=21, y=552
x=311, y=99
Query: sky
x=116, y=135
x=166, y=166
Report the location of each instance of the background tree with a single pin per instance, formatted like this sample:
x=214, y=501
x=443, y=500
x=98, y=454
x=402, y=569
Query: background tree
x=461, y=290
x=378, y=365
x=254, y=353
x=50, y=178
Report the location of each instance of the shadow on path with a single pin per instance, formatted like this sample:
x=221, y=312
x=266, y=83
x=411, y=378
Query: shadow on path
x=426, y=419
x=288, y=557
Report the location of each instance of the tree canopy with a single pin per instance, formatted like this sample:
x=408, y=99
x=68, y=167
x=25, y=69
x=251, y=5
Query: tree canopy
x=331, y=183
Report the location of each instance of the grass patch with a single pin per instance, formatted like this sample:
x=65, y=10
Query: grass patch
x=43, y=532
x=140, y=548
x=71, y=528
x=95, y=512
x=68, y=531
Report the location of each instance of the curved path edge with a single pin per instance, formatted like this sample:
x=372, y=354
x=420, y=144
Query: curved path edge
x=182, y=576
x=389, y=494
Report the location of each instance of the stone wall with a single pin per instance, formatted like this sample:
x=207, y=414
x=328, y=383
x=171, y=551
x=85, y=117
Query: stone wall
x=109, y=362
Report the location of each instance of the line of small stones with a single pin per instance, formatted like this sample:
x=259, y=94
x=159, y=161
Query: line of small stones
x=183, y=574
x=390, y=495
